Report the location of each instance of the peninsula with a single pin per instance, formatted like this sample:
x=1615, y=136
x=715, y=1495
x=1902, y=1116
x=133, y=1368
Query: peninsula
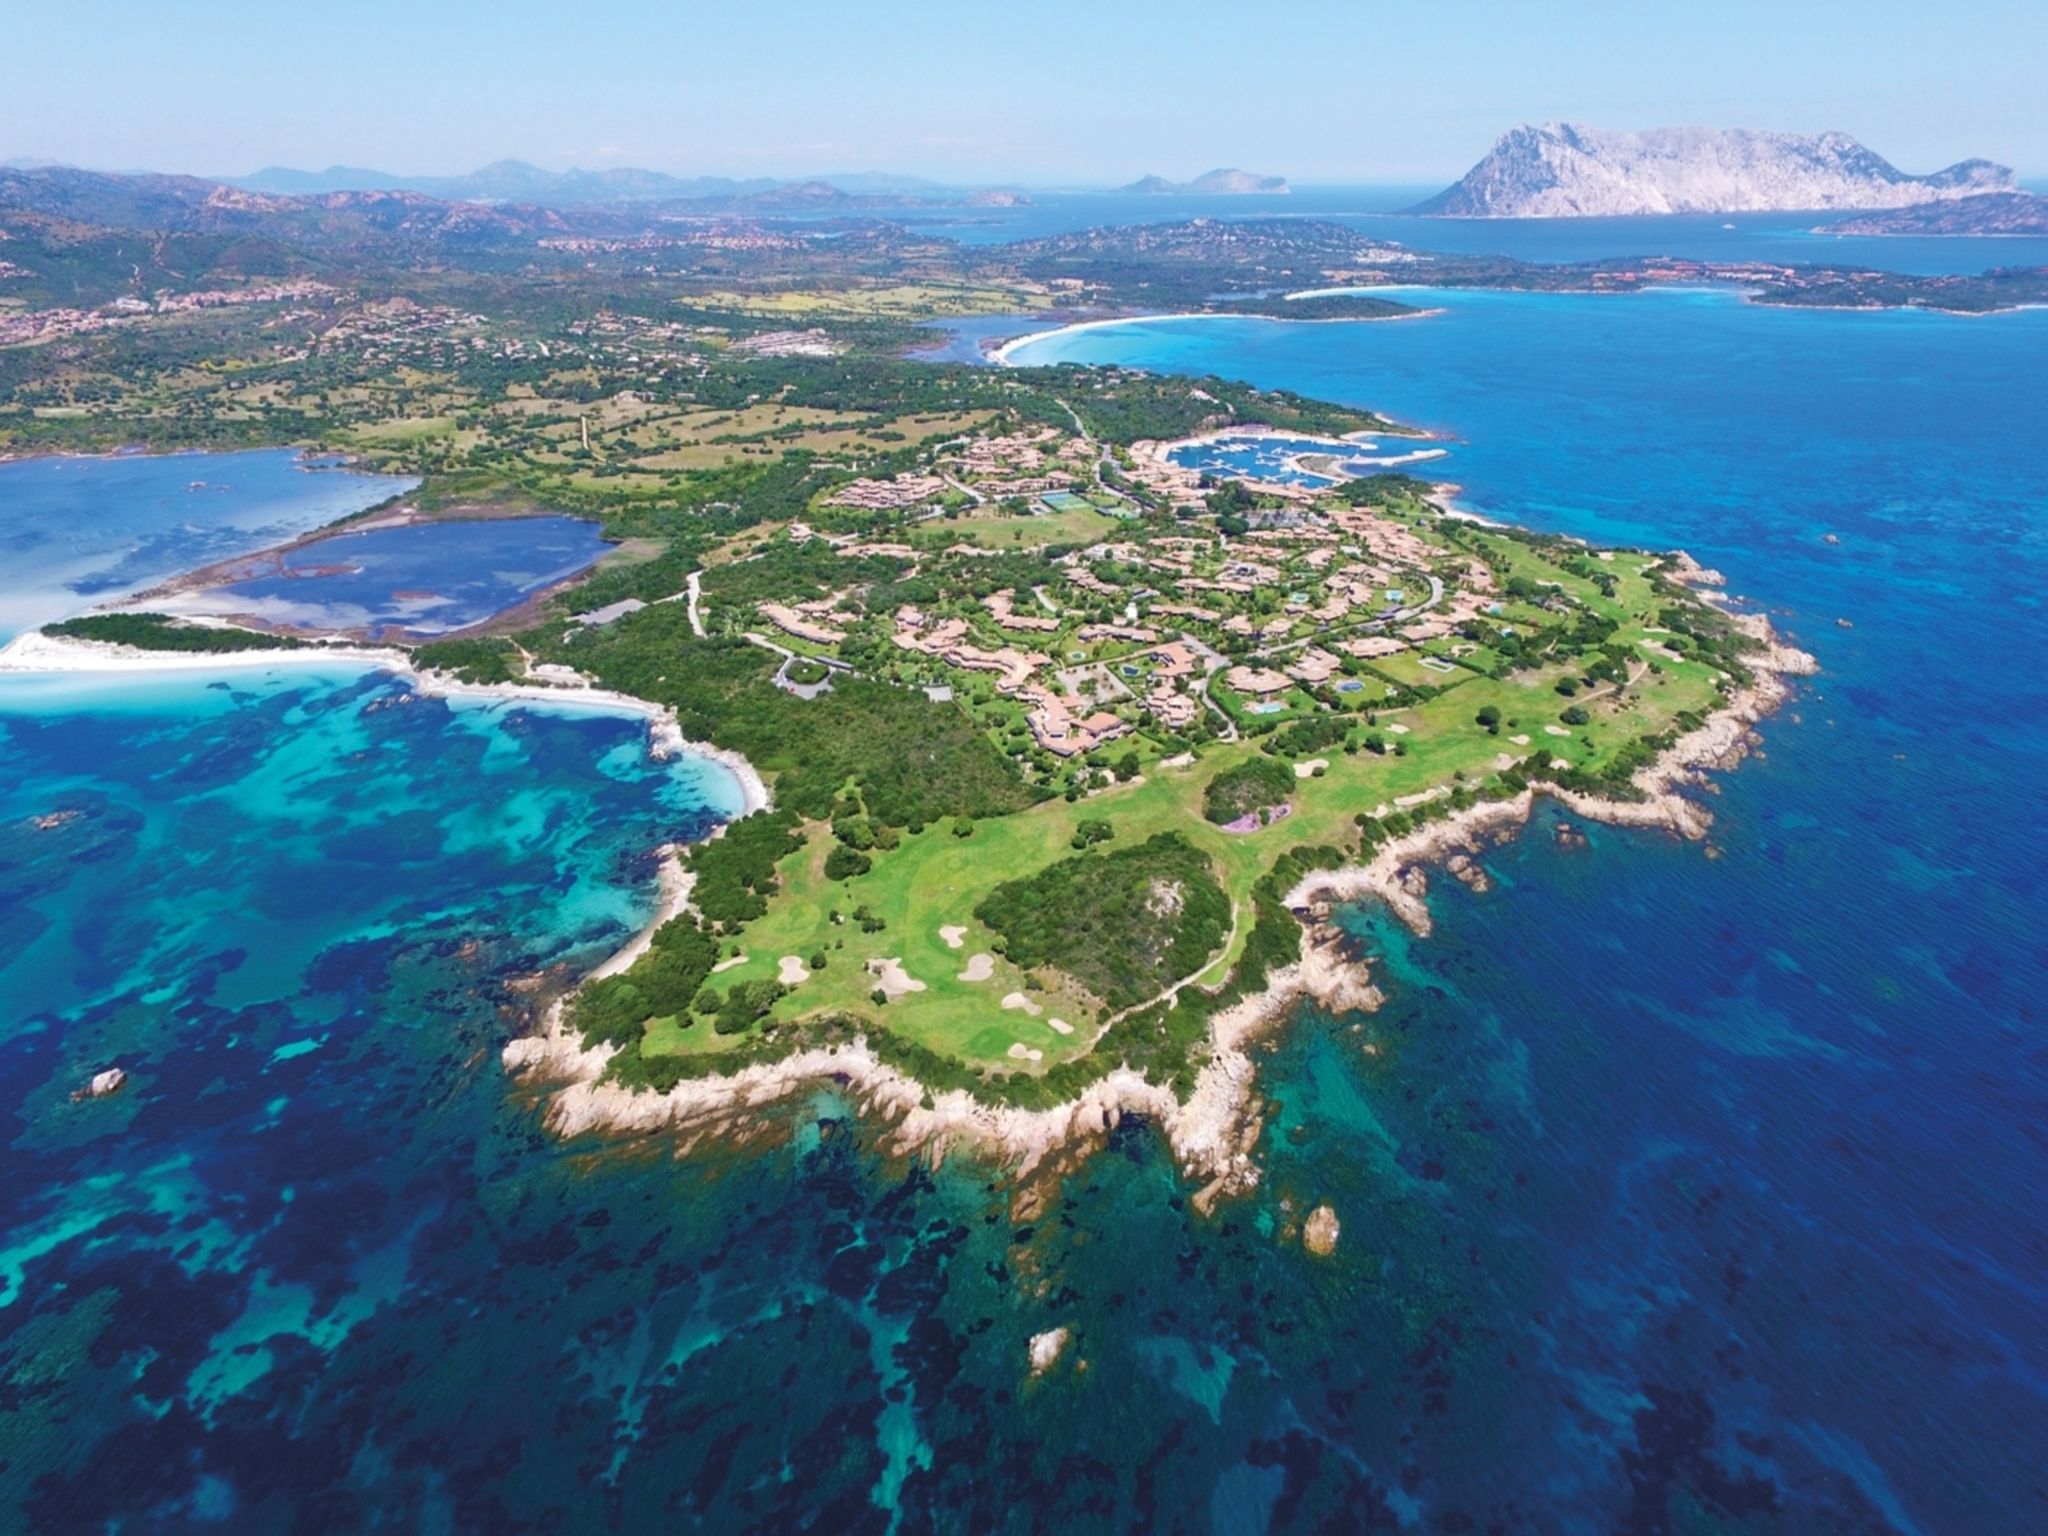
x=1066, y=701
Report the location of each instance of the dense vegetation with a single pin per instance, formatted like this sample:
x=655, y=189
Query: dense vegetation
x=661, y=984
x=1250, y=786
x=736, y=870
x=1122, y=924
x=474, y=661
x=161, y=632
x=915, y=761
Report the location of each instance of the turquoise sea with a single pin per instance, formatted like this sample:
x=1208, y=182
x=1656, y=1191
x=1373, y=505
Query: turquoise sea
x=1678, y=1192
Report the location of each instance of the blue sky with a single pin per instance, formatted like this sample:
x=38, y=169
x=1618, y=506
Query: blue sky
x=1055, y=93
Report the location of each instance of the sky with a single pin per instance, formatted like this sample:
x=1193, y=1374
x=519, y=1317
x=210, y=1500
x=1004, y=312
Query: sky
x=1047, y=94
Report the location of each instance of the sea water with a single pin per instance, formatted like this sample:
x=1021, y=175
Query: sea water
x=79, y=531
x=1679, y=1188
x=424, y=579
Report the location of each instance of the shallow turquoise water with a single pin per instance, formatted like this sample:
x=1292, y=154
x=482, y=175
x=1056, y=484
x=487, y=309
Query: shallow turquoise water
x=425, y=579
x=1677, y=1193
x=80, y=531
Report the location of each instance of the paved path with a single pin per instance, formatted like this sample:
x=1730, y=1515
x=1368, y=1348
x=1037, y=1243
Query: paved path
x=696, y=591
x=789, y=657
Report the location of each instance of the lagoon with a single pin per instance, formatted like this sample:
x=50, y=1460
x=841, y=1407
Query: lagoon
x=424, y=579
x=78, y=531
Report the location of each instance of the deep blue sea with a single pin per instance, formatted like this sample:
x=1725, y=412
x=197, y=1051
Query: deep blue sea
x=1681, y=1189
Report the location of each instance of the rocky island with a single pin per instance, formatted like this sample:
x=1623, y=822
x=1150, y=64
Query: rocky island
x=1223, y=182
x=1570, y=170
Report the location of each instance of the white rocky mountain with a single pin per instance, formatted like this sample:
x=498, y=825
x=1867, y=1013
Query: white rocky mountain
x=1567, y=170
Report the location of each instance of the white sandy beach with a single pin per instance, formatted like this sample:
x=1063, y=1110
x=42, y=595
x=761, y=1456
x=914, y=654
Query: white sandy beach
x=1004, y=356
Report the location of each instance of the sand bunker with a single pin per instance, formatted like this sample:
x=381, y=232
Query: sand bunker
x=793, y=971
x=1060, y=1026
x=1520, y=741
x=1556, y=730
x=1019, y=1000
x=1308, y=769
x=894, y=981
x=1398, y=729
x=979, y=968
x=954, y=934
x=728, y=963
x=1022, y=1052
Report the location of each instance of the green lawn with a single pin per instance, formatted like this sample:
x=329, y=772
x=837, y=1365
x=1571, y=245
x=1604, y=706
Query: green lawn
x=935, y=879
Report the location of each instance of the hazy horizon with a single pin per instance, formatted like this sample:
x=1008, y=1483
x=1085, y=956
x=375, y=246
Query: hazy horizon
x=1069, y=96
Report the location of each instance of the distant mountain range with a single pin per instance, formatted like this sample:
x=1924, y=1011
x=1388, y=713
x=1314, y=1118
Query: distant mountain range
x=1567, y=170
x=1226, y=182
x=515, y=181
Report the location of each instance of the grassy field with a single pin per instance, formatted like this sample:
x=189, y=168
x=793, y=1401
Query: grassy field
x=998, y=530
x=935, y=879
x=884, y=301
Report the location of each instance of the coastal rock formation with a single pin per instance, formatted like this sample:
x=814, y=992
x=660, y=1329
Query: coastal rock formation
x=1046, y=1349
x=1568, y=170
x=1319, y=1232
x=103, y=1084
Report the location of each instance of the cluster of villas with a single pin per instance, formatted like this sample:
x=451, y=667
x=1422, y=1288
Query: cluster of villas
x=1150, y=631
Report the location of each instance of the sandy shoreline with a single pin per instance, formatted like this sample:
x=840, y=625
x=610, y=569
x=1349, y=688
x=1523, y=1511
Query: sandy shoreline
x=1212, y=1134
x=1002, y=356
x=39, y=654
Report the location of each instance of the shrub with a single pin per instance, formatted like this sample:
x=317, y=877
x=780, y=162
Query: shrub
x=1250, y=786
x=843, y=863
